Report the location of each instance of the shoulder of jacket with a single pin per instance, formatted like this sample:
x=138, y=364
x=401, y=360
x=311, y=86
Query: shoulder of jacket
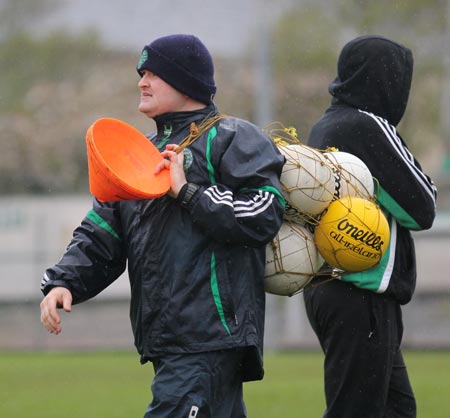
x=235, y=122
x=359, y=121
x=238, y=126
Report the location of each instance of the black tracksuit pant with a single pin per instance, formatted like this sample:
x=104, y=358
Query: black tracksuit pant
x=360, y=333
x=198, y=385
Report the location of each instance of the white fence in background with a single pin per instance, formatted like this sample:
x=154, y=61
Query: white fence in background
x=34, y=232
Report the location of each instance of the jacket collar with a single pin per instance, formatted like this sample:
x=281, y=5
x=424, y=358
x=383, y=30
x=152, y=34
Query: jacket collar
x=180, y=119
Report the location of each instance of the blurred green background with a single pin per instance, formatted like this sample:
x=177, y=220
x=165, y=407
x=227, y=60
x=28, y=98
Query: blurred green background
x=66, y=63
x=113, y=384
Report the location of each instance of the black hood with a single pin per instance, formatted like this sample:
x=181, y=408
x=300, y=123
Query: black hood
x=374, y=74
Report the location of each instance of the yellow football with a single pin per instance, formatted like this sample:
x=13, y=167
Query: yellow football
x=352, y=234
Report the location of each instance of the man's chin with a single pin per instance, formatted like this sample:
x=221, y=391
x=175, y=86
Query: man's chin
x=145, y=109
x=142, y=107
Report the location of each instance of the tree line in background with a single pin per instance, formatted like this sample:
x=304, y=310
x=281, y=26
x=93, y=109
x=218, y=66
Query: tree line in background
x=54, y=87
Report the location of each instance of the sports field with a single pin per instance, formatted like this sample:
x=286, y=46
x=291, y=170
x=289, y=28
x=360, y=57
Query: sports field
x=115, y=385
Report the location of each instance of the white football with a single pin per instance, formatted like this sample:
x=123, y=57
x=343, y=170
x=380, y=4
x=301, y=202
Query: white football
x=291, y=260
x=352, y=176
x=307, y=179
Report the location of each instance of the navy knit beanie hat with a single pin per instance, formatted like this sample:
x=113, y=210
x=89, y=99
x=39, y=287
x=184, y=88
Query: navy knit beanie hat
x=183, y=62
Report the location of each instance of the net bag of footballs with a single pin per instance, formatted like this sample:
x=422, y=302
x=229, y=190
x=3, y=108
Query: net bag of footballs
x=308, y=182
x=291, y=260
x=352, y=234
x=351, y=174
x=307, y=179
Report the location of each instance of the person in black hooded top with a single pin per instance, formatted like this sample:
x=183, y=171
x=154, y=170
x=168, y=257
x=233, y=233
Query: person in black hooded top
x=360, y=330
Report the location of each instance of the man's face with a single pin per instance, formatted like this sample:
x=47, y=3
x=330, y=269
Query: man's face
x=158, y=97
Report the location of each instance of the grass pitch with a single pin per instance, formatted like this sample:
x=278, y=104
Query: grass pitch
x=115, y=385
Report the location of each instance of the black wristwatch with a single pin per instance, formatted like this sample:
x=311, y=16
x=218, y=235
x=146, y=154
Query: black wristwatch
x=186, y=194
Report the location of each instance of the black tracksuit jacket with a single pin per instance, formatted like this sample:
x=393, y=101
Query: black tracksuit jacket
x=196, y=273
x=368, y=102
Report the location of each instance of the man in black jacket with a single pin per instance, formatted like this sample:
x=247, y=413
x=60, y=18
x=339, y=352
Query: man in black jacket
x=358, y=318
x=196, y=256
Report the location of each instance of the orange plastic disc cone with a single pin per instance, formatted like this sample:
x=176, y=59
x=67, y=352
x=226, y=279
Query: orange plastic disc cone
x=121, y=163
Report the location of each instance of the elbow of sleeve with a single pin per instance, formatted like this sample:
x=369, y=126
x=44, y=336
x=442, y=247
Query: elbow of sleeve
x=427, y=221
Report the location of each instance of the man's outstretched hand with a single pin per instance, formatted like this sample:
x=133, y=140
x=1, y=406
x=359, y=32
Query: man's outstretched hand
x=57, y=297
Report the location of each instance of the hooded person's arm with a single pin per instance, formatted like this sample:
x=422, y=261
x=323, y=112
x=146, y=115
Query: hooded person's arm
x=402, y=187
